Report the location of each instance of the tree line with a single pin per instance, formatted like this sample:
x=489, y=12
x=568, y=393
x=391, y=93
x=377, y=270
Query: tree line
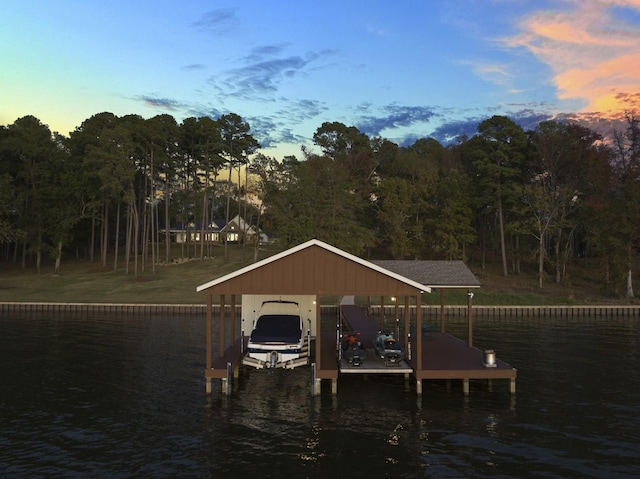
x=545, y=196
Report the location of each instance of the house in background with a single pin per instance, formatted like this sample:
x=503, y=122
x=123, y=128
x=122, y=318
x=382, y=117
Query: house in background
x=236, y=231
x=180, y=232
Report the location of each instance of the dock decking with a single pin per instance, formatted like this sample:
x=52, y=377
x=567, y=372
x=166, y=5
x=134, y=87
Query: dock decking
x=443, y=355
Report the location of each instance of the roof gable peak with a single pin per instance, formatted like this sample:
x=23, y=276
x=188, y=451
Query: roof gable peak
x=305, y=245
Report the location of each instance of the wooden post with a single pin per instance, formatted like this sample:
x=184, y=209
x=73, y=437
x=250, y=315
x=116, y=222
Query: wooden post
x=381, y=313
x=395, y=310
x=209, y=330
x=318, y=335
x=465, y=386
x=407, y=323
x=222, y=308
x=233, y=318
x=470, y=317
x=419, y=332
x=442, y=328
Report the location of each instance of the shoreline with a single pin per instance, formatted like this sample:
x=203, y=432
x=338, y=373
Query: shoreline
x=429, y=311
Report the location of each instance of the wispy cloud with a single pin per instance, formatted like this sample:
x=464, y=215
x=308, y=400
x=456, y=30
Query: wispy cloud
x=297, y=111
x=263, y=52
x=448, y=131
x=194, y=67
x=394, y=116
x=593, y=51
x=496, y=73
x=168, y=104
x=264, y=71
x=278, y=128
x=527, y=117
x=270, y=133
x=217, y=21
x=266, y=75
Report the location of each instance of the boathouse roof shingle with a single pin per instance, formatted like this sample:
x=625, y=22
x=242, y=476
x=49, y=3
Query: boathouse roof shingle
x=435, y=274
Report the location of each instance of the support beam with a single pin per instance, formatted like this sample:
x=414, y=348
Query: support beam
x=334, y=387
x=419, y=341
x=229, y=380
x=407, y=323
x=233, y=318
x=465, y=386
x=470, y=317
x=442, y=327
x=209, y=358
x=419, y=387
x=395, y=311
x=512, y=386
x=222, y=328
x=318, y=334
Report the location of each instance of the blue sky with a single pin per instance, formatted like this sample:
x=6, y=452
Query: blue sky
x=400, y=70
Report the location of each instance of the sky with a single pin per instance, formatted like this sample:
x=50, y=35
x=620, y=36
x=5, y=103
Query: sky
x=400, y=70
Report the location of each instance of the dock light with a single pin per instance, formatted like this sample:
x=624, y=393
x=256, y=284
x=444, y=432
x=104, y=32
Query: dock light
x=489, y=358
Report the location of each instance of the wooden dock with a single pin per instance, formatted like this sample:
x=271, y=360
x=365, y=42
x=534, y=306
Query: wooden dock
x=443, y=357
x=446, y=357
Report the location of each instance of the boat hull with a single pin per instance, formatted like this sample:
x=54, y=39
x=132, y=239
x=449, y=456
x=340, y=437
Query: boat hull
x=277, y=340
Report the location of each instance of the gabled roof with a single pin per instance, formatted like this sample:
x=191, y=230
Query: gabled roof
x=359, y=262
x=215, y=225
x=239, y=222
x=436, y=274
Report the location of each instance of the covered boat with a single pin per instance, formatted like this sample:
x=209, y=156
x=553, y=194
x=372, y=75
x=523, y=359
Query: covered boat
x=277, y=339
x=388, y=349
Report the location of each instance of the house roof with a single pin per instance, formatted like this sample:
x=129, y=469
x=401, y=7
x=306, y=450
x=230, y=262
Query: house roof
x=435, y=274
x=315, y=267
x=215, y=225
x=240, y=223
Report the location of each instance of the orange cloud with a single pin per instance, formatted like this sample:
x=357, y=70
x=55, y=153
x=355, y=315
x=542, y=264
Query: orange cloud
x=594, y=55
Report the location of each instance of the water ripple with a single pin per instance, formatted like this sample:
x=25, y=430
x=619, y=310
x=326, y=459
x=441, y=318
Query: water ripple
x=98, y=396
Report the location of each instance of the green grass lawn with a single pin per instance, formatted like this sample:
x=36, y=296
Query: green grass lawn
x=84, y=281
x=90, y=282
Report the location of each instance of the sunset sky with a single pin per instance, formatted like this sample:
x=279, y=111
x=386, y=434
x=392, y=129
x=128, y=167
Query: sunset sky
x=401, y=70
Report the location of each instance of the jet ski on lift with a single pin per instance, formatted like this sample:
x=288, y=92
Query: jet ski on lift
x=352, y=349
x=388, y=348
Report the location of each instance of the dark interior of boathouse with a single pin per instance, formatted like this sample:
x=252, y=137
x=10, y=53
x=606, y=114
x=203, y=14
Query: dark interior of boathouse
x=316, y=269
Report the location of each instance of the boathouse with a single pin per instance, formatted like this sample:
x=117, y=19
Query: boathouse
x=314, y=269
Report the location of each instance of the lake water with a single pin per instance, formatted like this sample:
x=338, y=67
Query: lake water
x=96, y=396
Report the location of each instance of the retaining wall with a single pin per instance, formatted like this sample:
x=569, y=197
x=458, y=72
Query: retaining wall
x=609, y=311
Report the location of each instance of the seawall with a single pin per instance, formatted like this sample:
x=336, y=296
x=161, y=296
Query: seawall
x=428, y=311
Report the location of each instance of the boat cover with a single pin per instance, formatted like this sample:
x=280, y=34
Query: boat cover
x=277, y=328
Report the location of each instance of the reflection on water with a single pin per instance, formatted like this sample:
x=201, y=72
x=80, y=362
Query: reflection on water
x=113, y=397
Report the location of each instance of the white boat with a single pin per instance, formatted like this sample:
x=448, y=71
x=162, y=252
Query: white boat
x=277, y=339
